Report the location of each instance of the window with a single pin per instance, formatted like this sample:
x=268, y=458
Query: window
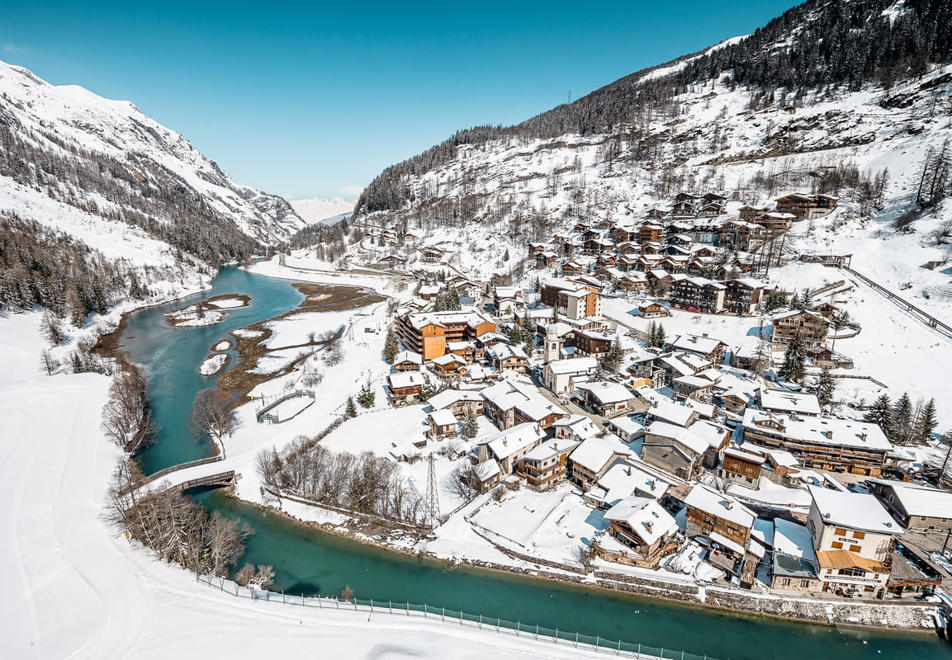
x=840, y=532
x=855, y=548
x=859, y=535
x=837, y=545
x=804, y=584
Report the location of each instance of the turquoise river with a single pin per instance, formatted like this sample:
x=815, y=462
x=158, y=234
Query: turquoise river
x=310, y=561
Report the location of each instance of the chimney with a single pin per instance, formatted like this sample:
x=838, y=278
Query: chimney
x=728, y=504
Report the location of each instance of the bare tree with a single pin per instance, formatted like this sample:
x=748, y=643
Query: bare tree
x=126, y=417
x=213, y=414
x=48, y=363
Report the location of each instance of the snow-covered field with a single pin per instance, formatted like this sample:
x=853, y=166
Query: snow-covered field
x=75, y=588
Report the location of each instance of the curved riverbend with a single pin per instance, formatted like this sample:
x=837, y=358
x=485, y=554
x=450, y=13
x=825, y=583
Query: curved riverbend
x=310, y=561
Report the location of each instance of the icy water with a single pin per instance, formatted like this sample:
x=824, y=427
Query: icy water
x=308, y=561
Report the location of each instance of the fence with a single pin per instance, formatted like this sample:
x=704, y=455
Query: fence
x=454, y=617
x=264, y=414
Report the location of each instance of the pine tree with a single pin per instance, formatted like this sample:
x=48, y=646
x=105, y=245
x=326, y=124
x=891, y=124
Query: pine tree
x=881, y=413
x=793, y=361
x=926, y=423
x=51, y=330
x=795, y=301
x=366, y=396
x=471, y=426
x=351, y=410
x=555, y=314
x=824, y=388
x=902, y=419
x=611, y=360
x=806, y=300
x=390, y=347
x=660, y=336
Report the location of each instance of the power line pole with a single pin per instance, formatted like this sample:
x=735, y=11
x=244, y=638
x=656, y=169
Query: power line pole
x=432, y=497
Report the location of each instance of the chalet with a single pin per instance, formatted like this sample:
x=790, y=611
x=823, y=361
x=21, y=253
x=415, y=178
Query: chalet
x=449, y=365
x=431, y=255
x=665, y=410
x=404, y=387
x=655, y=214
x=508, y=301
x=918, y=508
x=536, y=248
x=824, y=443
x=706, y=347
x=545, y=259
x=697, y=388
x=696, y=294
x=487, y=475
x=562, y=376
x=726, y=524
x=742, y=296
x=510, y=445
x=511, y=402
x=776, y=223
x=639, y=532
x=852, y=535
x=743, y=235
x=407, y=361
x=752, y=213
x=575, y=300
x=592, y=458
x=741, y=467
x=794, y=566
x=623, y=234
x=683, y=451
x=653, y=310
x=788, y=403
x=442, y=423
x=632, y=283
x=608, y=399
x=463, y=349
x=507, y=357
x=650, y=232
x=806, y=207
x=810, y=326
x=461, y=403
x=570, y=268
x=684, y=209
x=576, y=427
x=545, y=465
x=427, y=333
x=391, y=261
x=710, y=210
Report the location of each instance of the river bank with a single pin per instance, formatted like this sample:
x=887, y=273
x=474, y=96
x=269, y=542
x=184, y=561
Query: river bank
x=905, y=617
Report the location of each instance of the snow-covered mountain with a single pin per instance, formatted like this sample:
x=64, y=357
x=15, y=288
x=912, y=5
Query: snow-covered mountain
x=824, y=98
x=318, y=209
x=123, y=162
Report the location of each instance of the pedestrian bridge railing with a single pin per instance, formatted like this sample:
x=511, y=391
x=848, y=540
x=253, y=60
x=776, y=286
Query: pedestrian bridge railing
x=455, y=617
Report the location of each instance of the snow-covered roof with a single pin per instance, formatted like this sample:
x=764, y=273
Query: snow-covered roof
x=510, y=441
x=696, y=344
x=573, y=366
x=470, y=317
x=443, y=417
x=625, y=478
x=551, y=448
x=487, y=469
x=860, y=511
x=794, y=539
x=820, y=430
x=408, y=356
x=669, y=411
x=447, y=359
x=698, y=437
x=922, y=501
x=595, y=452
x=447, y=398
x=505, y=351
x=717, y=504
x=581, y=426
x=785, y=402
x=607, y=392
x=644, y=517
x=628, y=426
x=405, y=379
x=725, y=542
x=743, y=455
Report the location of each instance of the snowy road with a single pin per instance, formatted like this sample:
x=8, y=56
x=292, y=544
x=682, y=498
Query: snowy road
x=74, y=589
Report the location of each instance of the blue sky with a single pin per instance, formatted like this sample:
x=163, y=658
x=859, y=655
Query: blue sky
x=316, y=100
